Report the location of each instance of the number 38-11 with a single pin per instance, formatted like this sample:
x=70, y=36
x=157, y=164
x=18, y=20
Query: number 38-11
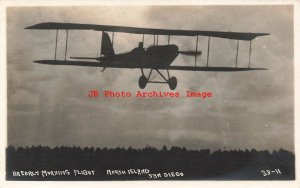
x=269, y=172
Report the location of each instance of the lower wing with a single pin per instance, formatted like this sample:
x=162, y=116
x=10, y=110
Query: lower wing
x=111, y=65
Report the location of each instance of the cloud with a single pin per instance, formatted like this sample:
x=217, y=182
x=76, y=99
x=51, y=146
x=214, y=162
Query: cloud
x=48, y=105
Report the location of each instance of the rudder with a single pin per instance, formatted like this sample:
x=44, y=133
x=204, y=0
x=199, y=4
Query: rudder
x=106, y=46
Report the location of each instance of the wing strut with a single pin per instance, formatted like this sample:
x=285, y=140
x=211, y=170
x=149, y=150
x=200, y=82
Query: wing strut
x=196, y=50
x=156, y=40
x=208, y=50
x=250, y=52
x=168, y=39
x=56, y=43
x=66, y=50
x=237, y=53
x=100, y=49
x=112, y=38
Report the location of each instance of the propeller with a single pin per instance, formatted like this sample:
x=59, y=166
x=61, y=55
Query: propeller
x=190, y=53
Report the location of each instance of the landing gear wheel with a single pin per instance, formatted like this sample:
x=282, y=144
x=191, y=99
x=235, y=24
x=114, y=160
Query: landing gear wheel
x=172, y=83
x=143, y=82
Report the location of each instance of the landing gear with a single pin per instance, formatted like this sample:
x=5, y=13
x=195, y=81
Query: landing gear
x=143, y=81
x=172, y=83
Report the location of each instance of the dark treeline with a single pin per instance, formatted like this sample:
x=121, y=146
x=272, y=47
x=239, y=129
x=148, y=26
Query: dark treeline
x=194, y=164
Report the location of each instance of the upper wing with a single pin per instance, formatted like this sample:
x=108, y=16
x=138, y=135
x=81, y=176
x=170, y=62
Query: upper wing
x=137, y=30
x=131, y=66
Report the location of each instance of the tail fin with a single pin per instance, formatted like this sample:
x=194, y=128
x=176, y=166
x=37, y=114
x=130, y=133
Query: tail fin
x=106, y=45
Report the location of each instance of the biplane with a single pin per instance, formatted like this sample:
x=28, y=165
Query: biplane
x=155, y=57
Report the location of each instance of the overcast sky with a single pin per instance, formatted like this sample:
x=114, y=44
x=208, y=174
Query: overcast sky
x=48, y=105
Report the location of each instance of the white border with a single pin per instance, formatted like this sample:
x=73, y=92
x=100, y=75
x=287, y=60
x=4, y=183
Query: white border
x=233, y=184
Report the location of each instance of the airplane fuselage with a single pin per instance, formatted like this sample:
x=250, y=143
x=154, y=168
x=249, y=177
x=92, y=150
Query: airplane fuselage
x=152, y=57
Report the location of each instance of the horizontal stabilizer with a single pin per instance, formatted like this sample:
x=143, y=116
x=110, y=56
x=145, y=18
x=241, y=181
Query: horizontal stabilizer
x=95, y=58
